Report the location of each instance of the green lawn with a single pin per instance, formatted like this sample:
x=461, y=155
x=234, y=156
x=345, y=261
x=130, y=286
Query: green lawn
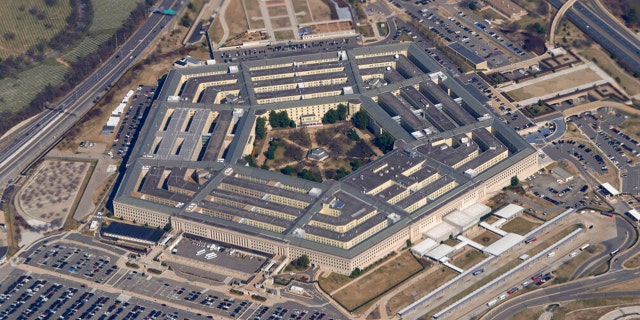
x=16, y=93
x=25, y=23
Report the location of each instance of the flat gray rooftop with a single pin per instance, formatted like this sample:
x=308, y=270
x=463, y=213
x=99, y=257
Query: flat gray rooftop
x=181, y=150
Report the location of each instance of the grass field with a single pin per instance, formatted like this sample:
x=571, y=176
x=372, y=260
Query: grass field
x=420, y=288
x=236, y=18
x=16, y=93
x=519, y=225
x=468, y=258
x=302, y=11
x=283, y=34
x=275, y=11
x=27, y=22
x=109, y=15
x=88, y=45
x=378, y=281
x=602, y=59
x=486, y=238
x=556, y=84
x=333, y=282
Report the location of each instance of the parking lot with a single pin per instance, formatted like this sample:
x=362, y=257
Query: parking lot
x=79, y=261
x=604, y=131
x=33, y=296
x=132, y=121
x=459, y=27
x=77, y=300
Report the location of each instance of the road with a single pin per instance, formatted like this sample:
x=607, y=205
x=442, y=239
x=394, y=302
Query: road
x=626, y=234
x=607, y=35
x=580, y=286
x=588, y=288
x=36, y=138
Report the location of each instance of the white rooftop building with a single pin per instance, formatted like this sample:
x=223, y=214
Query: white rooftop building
x=440, y=253
x=503, y=244
x=509, y=211
x=423, y=247
x=440, y=232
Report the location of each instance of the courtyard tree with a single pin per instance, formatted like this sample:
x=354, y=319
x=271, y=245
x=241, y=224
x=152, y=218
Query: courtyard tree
x=303, y=261
x=514, y=181
x=361, y=120
x=261, y=128
x=384, y=142
x=342, y=112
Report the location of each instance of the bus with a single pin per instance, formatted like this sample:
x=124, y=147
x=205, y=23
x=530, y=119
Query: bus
x=614, y=252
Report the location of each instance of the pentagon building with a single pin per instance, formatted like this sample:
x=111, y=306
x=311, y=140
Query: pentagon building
x=187, y=167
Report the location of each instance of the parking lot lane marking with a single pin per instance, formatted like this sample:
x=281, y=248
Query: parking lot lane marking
x=250, y=314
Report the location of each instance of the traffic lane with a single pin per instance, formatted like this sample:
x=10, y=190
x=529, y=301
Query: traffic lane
x=556, y=293
x=25, y=157
x=600, y=12
x=601, y=35
x=620, y=241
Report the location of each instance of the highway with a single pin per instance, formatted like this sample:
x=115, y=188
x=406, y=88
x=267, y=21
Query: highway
x=34, y=139
x=606, y=35
x=588, y=288
x=584, y=287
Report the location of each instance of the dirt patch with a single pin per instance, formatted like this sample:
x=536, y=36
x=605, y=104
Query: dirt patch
x=333, y=282
x=469, y=257
x=378, y=281
x=51, y=192
x=303, y=15
x=236, y=18
x=278, y=23
x=215, y=31
x=630, y=84
x=437, y=276
x=283, y=35
x=486, y=238
x=275, y=11
x=520, y=225
x=319, y=10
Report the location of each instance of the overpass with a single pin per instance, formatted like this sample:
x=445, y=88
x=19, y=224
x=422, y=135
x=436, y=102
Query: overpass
x=556, y=20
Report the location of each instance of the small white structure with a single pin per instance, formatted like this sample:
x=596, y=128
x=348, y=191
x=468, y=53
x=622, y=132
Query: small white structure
x=94, y=225
x=296, y=290
x=113, y=121
x=503, y=244
x=423, y=247
x=610, y=189
x=509, y=211
x=441, y=253
x=562, y=174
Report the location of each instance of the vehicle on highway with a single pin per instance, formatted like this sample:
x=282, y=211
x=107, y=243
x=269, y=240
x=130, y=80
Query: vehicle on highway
x=477, y=272
x=614, y=252
x=532, y=239
x=512, y=290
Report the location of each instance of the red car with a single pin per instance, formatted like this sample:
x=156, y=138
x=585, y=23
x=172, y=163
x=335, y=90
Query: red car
x=512, y=291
